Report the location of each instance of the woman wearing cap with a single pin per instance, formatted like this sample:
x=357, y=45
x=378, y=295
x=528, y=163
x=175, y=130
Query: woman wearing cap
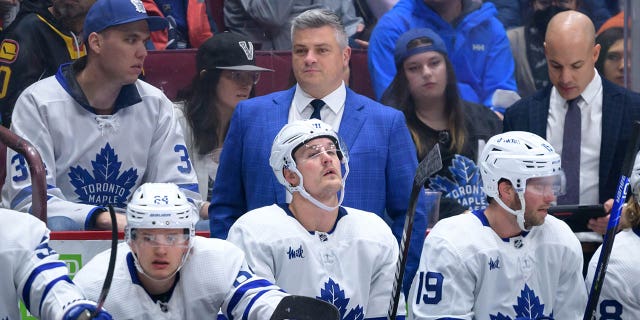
x=425, y=90
x=226, y=74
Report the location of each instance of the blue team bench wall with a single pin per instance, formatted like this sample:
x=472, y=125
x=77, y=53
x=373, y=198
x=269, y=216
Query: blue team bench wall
x=172, y=70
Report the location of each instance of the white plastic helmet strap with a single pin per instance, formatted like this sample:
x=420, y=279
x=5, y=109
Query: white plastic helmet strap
x=182, y=262
x=303, y=192
x=518, y=213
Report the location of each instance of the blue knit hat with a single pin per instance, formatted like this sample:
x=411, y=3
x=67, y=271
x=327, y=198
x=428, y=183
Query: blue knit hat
x=108, y=13
x=402, y=52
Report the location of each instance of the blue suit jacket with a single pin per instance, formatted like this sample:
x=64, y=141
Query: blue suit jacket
x=382, y=162
x=620, y=107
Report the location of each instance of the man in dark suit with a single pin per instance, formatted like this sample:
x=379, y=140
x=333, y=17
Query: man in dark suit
x=381, y=151
x=606, y=110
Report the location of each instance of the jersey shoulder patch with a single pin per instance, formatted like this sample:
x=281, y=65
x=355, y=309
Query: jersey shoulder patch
x=9, y=50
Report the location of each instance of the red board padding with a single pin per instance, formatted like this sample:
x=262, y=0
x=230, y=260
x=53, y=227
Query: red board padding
x=97, y=235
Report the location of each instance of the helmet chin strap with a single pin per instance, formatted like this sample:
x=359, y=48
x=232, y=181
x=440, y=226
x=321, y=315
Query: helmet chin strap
x=182, y=262
x=303, y=192
x=518, y=213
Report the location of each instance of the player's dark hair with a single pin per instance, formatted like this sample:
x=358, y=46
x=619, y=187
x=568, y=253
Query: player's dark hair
x=398, y=96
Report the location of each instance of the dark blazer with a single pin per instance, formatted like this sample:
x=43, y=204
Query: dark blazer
x=620, y=107
x=382, y=162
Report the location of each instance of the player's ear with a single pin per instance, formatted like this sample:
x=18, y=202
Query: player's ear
x=505, y=189
x=93, y=42
x=291, y=177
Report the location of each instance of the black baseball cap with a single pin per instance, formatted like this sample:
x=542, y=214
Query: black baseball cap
x=228, y=51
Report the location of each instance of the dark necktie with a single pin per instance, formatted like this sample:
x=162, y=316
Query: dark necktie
x=317, y=105
x=571, y=153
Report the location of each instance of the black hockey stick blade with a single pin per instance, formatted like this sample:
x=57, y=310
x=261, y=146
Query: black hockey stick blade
x=614, y=218
x=305, y=308
x=431, y=164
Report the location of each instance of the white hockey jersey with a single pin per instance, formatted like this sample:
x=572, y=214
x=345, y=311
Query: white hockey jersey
x=468, y=272
x=215, y=276
x=620, y=295
x=94, y=160
x=31, y=270
x=352, y=266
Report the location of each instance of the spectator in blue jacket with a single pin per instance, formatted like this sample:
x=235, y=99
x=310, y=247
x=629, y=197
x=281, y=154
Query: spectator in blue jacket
x=475, y=38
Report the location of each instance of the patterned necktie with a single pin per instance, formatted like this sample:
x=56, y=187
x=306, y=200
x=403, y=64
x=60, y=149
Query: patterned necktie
x=571, y=153
x=317, y=104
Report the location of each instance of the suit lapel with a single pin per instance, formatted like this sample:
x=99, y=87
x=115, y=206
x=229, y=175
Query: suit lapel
x=353, y=118
x=612, y=117
x=540, y=113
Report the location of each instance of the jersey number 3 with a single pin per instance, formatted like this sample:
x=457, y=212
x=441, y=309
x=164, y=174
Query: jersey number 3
x=184, y=157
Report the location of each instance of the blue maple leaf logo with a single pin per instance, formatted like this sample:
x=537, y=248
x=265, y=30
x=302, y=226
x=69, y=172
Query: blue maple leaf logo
x=467, y=187
x=334, y=295
x=464, y=170
x=499, y=316
x=528, y=307
x=106, y=185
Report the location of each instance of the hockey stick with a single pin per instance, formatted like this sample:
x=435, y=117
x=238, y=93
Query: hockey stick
x=112, y=262
x=304, y=308
x=614, y=218
x=110, y=270
x=431, y=164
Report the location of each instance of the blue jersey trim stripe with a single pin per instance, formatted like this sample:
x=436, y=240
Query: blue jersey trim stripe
x=24, y=193
x=32, y=277
x=240, y=292
x=385, y=318
x=48, y=288
x=245, y=315
x=193, y=187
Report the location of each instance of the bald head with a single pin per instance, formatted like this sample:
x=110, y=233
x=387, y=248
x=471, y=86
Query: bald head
x=571, y=52
x=571, y=25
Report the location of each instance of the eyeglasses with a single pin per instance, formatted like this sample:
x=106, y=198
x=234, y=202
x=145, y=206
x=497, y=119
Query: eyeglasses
x=242, y=77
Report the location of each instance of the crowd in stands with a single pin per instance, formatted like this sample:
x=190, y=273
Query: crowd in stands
x=387, y=81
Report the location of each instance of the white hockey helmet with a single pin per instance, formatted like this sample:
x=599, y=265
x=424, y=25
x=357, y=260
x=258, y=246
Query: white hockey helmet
x=160, y=206
x=289, y=139
x=518, y=156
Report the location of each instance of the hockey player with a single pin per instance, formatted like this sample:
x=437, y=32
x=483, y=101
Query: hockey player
x=620, y=295
x=511, y=260
x=313, y=246
x=32, y=273
x=164, y=271
x=101, y=132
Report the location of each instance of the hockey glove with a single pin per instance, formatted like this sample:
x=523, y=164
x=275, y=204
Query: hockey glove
x=82, y=310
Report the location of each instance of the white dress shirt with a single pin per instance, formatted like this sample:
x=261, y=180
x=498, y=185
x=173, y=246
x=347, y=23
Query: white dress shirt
x=591, y=115
x=300, y=108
